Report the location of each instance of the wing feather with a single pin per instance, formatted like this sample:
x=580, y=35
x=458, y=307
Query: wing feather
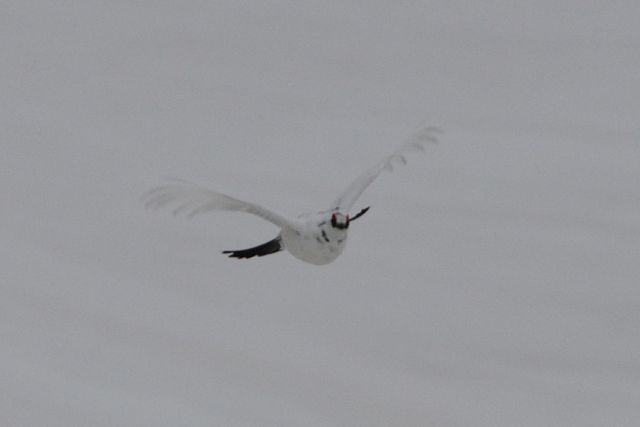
x=416, y=142
x=190, y=200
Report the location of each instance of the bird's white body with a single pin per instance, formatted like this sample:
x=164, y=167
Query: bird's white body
x=314, y=238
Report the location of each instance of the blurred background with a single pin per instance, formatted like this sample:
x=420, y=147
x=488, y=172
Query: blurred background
x=493, y=283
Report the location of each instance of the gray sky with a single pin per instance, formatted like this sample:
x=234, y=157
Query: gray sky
x=493, y=282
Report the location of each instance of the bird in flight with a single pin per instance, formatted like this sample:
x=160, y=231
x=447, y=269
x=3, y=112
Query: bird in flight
x=317, y=238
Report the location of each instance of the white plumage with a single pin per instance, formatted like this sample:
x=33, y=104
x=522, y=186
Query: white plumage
x=317, y=238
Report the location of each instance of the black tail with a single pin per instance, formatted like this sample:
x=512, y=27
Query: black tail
x=362, y=212
x=270, y=247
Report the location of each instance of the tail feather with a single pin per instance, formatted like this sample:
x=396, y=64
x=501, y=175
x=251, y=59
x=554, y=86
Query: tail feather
x=270, y=247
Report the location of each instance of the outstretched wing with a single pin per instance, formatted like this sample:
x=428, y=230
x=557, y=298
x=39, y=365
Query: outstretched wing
x=345, y=201
x=191, y=200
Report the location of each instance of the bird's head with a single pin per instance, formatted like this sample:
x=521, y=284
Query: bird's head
x=339, y=221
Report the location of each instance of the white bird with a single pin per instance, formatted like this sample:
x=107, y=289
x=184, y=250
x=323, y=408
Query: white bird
x=317, y=238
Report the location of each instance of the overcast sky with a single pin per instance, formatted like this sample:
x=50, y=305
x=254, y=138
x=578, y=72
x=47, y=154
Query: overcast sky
x=494, y=282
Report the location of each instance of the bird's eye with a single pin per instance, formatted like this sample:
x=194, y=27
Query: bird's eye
x=333, y=219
